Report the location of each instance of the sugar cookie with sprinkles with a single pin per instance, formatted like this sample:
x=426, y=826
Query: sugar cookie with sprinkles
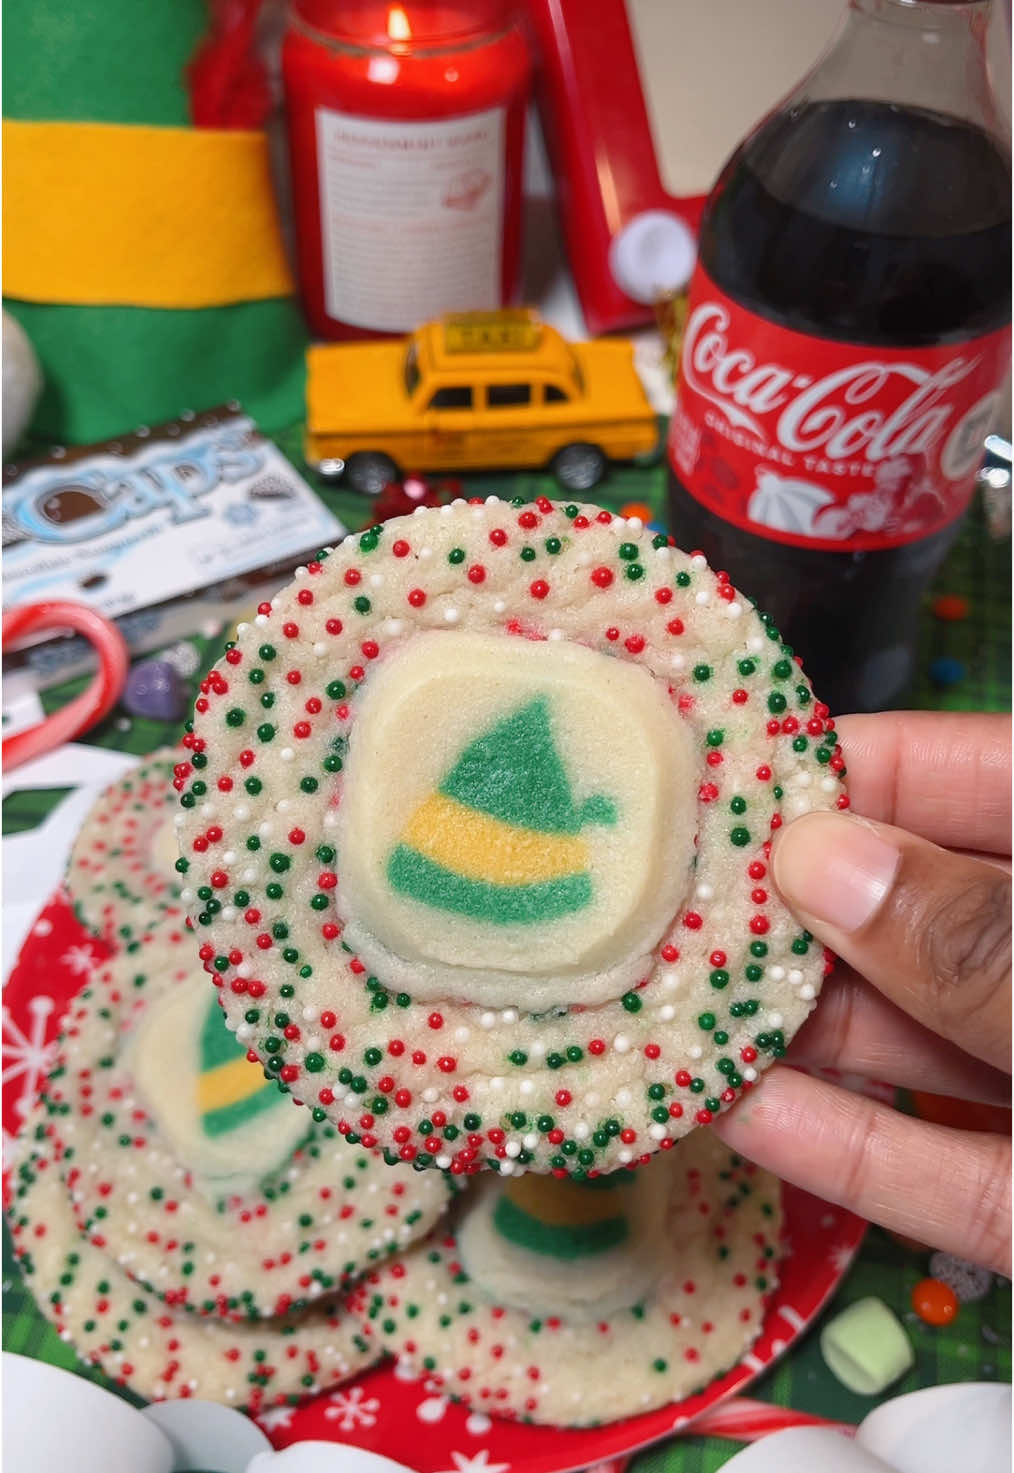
x=193, y=1171
x=483, y=801
x=572, y=1303
x=138, y=1342
x=121, y=874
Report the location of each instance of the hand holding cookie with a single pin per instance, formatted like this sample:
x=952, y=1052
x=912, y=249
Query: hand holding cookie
x=915, y=897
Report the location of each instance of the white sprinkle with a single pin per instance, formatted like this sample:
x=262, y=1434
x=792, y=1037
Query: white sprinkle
x=499, y=606
x=626, y=1156
x=657, y=1132
x=750, y=1074
x=777, y=974
x=443, y=1162
x=581, y=1131
x=496, y=1082
x=445, y=511
x=704, y=891
x=393, y=627
x=492, y=501
x=376, y=580
x=591, y=1099
x=264, y=829
x=802, y=779
x=795, y=976
x=451, y=616
x=424, y=552
x=775, y=1019
x=697, y=561
x=670, y=981
x=827, y=784
x=249, y=874
x=241, y=812
x=319, y=647
x=460, y=1035
x=287, y=754
x=584, y=558
x=330, y=818
x=666, y=1012
x=242, y=626
x=677, y=661
x=309, y=1013
x=509, y=1015
x=261, y=619
x=537, y=1049
x=207, y=810
x=229, y=913
x=530, y=1141
x=696, y=1052
x=526, y=1087
x=229, y=857
x=283, y=805
x=507, y=1168
x=755, y=644
x=179, y=820
x=808, y=993
x=555, y=634
x=733, y=610
x=487, y=1020
x=623, y=1097
x=513, y=1149
x=621, y=1043
x=430, y=1094
x=635, y=524
x=704, y=597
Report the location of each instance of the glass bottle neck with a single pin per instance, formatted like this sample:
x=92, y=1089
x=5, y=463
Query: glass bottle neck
x=913, y=53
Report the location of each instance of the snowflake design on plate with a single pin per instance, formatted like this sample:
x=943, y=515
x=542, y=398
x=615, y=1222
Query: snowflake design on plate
x=475, y=1463
x=79, y=959
x=27, y=1056
x=352, y=1409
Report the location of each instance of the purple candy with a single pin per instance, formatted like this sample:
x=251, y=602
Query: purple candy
x=154, y=689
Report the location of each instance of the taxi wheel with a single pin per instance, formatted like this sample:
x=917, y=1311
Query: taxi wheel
x=579, y=467
x=369, y=471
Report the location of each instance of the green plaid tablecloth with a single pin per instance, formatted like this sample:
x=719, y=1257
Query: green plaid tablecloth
x=977, y=1346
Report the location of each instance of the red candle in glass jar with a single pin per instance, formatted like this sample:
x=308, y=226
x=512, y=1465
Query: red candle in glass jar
x=406, y=134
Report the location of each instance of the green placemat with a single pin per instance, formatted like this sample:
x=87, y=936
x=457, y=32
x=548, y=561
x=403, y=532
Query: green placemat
x=977, y=1346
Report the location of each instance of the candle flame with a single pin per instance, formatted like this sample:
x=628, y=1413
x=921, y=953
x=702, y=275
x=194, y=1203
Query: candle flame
x=398, y=27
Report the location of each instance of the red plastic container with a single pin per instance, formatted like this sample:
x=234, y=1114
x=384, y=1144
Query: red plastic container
x=406, y=135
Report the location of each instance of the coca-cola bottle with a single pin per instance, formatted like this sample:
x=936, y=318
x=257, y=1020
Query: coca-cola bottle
x=848, y=340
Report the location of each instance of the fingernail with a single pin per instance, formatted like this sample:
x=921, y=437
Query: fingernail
x=834, y=868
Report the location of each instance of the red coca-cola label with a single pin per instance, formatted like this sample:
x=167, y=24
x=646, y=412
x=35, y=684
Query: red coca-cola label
x=825, y=444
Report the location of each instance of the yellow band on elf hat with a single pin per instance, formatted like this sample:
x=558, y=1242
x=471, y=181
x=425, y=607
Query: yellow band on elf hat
x=100, y=214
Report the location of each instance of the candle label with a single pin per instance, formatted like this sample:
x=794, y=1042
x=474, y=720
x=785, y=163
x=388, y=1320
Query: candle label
x=411, y=217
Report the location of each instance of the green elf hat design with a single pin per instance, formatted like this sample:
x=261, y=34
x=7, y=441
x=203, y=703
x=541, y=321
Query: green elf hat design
x=230, y=1089
x=142, y=255
x=564, y=1219
x=500, y=841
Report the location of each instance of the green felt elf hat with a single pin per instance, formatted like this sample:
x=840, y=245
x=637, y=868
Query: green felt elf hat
x=142, y=255
x=500, y=841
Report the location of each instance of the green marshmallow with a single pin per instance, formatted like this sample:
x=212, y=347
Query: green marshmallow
x=866, y=1347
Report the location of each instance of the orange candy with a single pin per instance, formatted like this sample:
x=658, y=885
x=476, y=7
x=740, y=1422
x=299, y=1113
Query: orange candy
x=638, y=509
x=935, y=1303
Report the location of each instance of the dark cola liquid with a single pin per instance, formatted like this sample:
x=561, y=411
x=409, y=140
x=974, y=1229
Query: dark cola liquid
x=908, y=246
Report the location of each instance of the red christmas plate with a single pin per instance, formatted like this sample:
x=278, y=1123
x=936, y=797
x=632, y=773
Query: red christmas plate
x=410, y=1419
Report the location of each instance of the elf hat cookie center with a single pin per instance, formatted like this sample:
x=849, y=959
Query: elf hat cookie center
x=516, y=821
x=227, y=1124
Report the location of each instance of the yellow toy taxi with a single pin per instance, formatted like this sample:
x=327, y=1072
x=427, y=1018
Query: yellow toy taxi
x=474, y=390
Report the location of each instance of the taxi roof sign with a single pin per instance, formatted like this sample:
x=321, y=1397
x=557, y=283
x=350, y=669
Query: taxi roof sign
x=511, y=330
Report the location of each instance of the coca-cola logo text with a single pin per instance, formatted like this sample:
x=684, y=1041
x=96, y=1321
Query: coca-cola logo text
x=854, y=411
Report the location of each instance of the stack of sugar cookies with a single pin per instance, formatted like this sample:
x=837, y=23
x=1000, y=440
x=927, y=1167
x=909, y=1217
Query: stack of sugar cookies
x=474, y=830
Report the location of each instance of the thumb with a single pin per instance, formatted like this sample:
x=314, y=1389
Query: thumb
x=930, y=929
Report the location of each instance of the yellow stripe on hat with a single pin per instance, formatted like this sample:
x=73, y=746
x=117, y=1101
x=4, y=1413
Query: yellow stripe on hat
x=227, y=1084
x=115, y=214
x=477, y=847
x=562, y=1203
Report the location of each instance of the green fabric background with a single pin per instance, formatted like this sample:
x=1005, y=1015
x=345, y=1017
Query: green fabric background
x=977, y=1346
